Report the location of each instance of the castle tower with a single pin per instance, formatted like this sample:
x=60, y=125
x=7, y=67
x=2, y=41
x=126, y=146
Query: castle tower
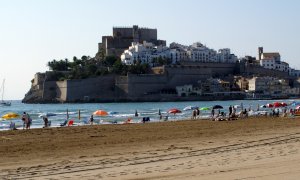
x=135, y=33
x=260, y=52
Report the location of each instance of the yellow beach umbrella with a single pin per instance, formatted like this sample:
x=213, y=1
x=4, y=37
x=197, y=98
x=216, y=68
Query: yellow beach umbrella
x=10, y=115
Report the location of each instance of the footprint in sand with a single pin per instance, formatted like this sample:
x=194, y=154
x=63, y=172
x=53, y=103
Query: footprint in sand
x=123, y=173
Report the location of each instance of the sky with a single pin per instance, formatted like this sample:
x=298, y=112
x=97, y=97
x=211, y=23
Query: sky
x=33, y=32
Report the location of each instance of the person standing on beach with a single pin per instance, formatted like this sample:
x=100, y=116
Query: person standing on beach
x=230, y=110
x=212, y=113
x=24, y=117
x=92, y=119
x=29, y=121
x=198, y=113
x=26, y=120
x=194, y=113
x=45, y=118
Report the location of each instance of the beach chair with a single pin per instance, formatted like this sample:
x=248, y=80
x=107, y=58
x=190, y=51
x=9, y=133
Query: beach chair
x=12, y=126
x=128, y=121
x=64, y=123
x=67, y=123
x=70, y=122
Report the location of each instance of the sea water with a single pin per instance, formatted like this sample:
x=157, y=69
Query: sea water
x=118, y=112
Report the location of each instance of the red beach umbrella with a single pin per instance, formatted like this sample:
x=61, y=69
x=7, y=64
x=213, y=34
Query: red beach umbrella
x=277, y=104
x=283, y=104
x=269, y=105
x=174, y=111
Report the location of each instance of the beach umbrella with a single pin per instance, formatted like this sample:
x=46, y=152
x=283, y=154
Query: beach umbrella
x=283, y=104
x=174, y=111
x=237, y=106
x=217, y=107
x=277, y=104
x=295, y=103
x=47, y=115
x=100, y=113
x=269, y=105
x=298, y=107
x=204, y=109
x=190, y=108
x=263, y=106
x=10, y=115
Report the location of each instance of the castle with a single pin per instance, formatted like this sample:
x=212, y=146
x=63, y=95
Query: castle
x=188, y=77
x=123, y=37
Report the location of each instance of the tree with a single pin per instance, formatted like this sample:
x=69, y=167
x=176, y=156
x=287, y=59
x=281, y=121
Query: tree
x=91, y=69
x=110, y=60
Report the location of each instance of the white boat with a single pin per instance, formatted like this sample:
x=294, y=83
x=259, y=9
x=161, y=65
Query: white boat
x=2, y=102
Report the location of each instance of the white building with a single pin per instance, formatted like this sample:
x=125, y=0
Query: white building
x=225, y=56
x=197, y=52
x=144, y=53
x=269, y=86
x=188, y=90
x=272, y=61
x=273, y=64
x=259, y=84
x=200, y=53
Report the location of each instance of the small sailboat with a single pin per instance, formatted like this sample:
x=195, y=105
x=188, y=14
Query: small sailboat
x=2, y=102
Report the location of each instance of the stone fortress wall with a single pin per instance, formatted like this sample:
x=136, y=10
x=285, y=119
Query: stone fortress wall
x=133, y=87
x=254, y=69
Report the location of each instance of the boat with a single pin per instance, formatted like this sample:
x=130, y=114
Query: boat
x=2, y=102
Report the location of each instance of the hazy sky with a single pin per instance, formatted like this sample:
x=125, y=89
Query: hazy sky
x=33, y=32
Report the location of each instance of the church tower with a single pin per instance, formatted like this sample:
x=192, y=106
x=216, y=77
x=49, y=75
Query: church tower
x=260, y=52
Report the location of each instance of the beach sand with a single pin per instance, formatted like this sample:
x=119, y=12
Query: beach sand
x=253, y=148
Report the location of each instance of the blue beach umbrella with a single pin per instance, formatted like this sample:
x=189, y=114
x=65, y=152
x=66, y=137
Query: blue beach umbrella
x=217, y=107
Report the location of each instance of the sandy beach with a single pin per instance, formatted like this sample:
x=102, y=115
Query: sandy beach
x=253, y=148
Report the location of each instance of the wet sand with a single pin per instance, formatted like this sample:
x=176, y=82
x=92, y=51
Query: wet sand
x=260, y=148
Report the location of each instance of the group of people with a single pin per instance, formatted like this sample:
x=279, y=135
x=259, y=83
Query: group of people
x=232, y=115
x=27, y=121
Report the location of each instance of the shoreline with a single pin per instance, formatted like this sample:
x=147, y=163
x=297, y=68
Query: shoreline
x=174, y=99
x=162, y=150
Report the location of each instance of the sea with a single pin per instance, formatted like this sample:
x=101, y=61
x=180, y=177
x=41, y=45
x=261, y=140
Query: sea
x=118, y=113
